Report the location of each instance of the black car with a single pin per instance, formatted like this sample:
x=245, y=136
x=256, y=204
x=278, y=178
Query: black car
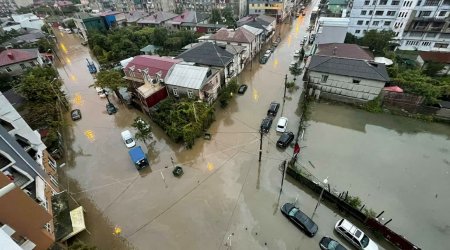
x=327, y=243
x=263, y=59
x=300, y=219
x=273, y=109
x=75, y=114
x=110, y=108
x=266, y=124
x=285, y=139
x=242, y=89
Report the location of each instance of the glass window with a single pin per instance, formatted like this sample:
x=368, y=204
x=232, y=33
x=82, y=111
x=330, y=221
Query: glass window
x=395, y=2
x=8, y=69
x=190, y=93
x=383, y=2
x=442, y=13
x=357, y=31
x=375, y=23
x=424, y=13
x=363, y=12
x=379, y=13
x=175, y=91
x=441, y=45
x=431, y=3
x=387, y=23
x=365, y=241
x=360, y=22
x=391, y=13
x=356, y=81
x=324, y=78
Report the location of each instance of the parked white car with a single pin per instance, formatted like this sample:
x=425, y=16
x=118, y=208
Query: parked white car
x=297, y=53
x=354, y=235
x=282, y=124
x=268, y=53
x=128, y=139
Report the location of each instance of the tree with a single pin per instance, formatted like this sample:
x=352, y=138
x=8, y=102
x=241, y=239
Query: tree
x=227, y=13
x=350, y=38
x=415, y=82
x=41, y=85
x=215, y=16
x=45, y=45
x=71, y=24
x=295, y=70
x=110, y=79
x=377, y=41
x=5, y=82
x=144, y=129
x=432, y=68
x=79, y=245
x=159, y=36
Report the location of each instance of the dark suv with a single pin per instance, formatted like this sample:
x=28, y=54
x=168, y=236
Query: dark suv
x=266, y=124
x=285, y=139
x=273, y=109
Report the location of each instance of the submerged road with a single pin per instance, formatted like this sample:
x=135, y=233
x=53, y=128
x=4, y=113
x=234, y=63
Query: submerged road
x=226, y=197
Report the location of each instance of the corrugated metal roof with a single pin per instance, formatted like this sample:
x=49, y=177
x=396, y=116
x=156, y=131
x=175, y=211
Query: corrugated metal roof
x=187, y=76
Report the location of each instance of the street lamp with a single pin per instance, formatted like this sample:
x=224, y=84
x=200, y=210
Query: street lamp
x=320, y=196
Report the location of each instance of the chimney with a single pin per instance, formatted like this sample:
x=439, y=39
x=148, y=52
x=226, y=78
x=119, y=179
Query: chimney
x=334, y=50
x=10, y=55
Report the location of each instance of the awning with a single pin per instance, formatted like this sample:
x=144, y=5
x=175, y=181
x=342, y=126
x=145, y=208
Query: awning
x=40, y=189
x=396, y=89
x=78, y=224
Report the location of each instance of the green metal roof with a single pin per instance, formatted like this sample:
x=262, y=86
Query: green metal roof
x=337, y=2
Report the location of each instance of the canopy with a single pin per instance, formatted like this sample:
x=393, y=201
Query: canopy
x=384, y=60
x=78, y=224
x=396, y=89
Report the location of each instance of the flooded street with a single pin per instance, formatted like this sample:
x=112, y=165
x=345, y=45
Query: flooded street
x=394, y=164
x=226, y=197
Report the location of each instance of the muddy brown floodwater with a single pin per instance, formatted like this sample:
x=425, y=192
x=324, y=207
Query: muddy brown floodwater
x=225, y=195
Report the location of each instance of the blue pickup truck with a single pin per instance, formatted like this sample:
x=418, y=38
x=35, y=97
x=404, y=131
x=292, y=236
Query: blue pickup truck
x=138, y=157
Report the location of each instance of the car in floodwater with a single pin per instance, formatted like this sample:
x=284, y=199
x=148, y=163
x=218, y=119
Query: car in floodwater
x=285, y=139
x=75, y=114
x=273, y=109
x=242, y=89
x=354, y=235
x=266, y=124
x=300, y=219
x=328, y=243
x=282, y=124
x=110, y=108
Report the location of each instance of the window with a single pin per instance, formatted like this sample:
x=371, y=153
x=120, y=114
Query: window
x=374, y=2
x=8, y=69
x=370, y=12
x=379, y=13
x=395, y=3
x=363, y=12
x=32, y=64
x=390, y=13
x=432, y=35
x=22, y=66
x=53, y=180
x=367, y=22
x=383, y=2
x=190, y=94
x=419, y=3
x=52, y=164
x=375, y=23
x=443, y=36
x=357, y=31
x=324, y=78
x=415, y=34
x=442, y=13
x=426, y=43
x=360, y=22
x=387, y=23
x=366, y=2
x=355, y=81
x=424, y=13
x=441, y=45
x=431, y=2
x=175, y=91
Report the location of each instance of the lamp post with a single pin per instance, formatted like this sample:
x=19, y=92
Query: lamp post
x=320, y=197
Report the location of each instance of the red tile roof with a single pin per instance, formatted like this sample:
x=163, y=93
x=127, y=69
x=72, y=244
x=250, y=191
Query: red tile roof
x=154, y=65
x=13, y=56
x=439, y=57
x=240, y=35
x=344, y=50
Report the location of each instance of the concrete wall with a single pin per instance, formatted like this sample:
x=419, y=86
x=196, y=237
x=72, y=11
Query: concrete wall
x=365, y=90
x=16, y=69
x=25, y=216
x=183, y=92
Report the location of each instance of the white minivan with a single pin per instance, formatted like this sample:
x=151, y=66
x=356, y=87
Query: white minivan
x=128, y=139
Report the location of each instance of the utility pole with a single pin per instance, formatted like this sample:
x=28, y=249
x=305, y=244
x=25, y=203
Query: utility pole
x=282, y=176
x=260, y=145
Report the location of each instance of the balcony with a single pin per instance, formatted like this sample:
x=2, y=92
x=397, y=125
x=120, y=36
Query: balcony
x=430, y=19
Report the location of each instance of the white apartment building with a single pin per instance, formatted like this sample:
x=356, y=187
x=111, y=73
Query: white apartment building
x=278, y=9
x=418, y=24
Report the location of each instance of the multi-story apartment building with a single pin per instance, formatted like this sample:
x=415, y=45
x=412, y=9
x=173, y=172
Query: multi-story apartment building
x=275, y=8
x=10, y=6
x=28, y=179
x=417, y=24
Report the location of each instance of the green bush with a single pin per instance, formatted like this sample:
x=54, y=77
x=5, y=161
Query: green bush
x=374, y=105
x=354, y=201
x=226, y=93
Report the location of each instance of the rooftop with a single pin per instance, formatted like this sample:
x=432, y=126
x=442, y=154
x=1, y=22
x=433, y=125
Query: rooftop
x=337, y=2
x=239, y=35
x=134, y=16
x=154, y=65
x=344, y=50
x=349, y=67
x=207, y=53
x=432, y=56
x=157, y=18
x=187, y=76
x=334, y=21
x=12, y=56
